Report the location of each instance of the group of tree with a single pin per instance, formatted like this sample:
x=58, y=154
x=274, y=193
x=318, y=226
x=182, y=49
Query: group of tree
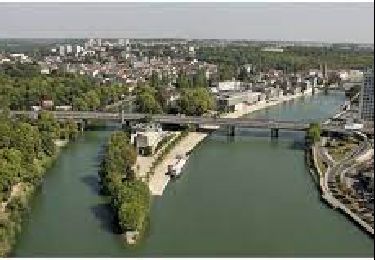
x=231, y=58
x=22, y=86
x=130, y=197
x=99, y=97
x=26, y=149
x=314, y=132
x=191, y=90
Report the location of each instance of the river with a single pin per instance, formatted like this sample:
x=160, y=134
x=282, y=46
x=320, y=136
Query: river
x=246, y=195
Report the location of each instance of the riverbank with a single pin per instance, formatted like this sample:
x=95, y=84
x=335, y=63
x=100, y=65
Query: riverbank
x=247, y=109
x=159, y=179
x=327, y=195
x=260, y=227
x=14, y=211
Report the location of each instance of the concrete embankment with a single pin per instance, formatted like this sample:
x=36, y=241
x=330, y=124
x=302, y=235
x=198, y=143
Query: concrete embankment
x=330, y=199
x=159, y=179
x=247, y=109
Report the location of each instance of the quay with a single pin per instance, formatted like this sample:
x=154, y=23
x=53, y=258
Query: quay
x=327, y=196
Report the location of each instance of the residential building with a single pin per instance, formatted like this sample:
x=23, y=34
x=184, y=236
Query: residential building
x=234, y=101
x=366, y=106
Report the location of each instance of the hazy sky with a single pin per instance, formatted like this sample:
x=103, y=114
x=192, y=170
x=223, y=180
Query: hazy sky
x=329, y=22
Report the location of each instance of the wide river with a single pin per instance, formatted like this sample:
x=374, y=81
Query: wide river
x=242, y=196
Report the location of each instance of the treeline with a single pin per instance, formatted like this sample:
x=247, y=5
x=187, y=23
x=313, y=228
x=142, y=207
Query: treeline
x=100, y=97
x=191, y=96
x=26, y=149
x=230, y=59
x=22, y=86
x=129, y=196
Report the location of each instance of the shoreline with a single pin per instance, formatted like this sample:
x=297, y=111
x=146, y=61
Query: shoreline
x=27, y=190
x=329, y=199
x=159, y=180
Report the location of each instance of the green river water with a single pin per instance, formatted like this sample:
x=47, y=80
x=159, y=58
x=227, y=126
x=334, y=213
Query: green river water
x=242, y=196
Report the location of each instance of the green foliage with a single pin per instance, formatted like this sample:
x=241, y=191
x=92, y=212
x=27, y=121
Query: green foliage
x=314, y=132
x=146, y=101
x=230, y=59
x=22, y=86
x=26, y=149
x=11, y=218
x=195, y=101
x=130, y=197
x=24, y=92
x=166, y=150
x=133, y=205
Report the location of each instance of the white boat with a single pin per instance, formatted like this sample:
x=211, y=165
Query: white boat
x=175, y=169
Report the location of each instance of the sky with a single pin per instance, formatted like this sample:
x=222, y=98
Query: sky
x=323, y=22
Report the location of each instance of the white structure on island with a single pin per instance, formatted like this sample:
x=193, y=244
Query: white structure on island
x=145, y=137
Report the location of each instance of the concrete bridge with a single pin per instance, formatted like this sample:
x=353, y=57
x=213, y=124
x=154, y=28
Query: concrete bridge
x=231, y=123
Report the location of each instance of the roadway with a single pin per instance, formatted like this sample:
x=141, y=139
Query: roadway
x=184, y=120
x=174, y=119
x=335, y=169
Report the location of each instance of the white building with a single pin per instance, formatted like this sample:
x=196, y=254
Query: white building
x=44, y=71
x=355, y=75
x=270, y=49
x=145, y=137
x=366, y=106
x=121, y=42
x=235, y=101
x=229, y=86
x=69, y=49
x=79, y=49
x=99, y=42
x=62, y=50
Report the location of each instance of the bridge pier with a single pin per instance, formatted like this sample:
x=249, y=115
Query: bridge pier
x=81, y=125
x=274, y=132
x=231, y=130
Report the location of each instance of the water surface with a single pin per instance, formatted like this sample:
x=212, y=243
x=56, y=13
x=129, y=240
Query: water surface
x=242, y=196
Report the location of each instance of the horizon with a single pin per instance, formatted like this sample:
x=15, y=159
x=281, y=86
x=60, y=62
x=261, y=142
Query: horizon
x=285, y=22
x=187, y=39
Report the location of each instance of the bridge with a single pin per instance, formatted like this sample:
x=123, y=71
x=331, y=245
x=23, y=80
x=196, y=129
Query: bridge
x=231, y=123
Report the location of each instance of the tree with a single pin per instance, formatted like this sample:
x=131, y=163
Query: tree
x=314, y=132
x=146, y=101
x=47, y=123
x=195, y=101
x=182, y=81
x=154, y=81
x=200, y=80
x=11, y=168
x=26, y=138
x=130, y=197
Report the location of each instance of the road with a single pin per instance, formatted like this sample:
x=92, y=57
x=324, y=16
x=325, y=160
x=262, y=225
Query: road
x=336, y=168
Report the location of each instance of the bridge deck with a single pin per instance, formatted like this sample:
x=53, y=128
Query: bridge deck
x=177, y=119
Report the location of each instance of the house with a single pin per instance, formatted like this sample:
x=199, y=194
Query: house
x=47, y=103
x=63, y=108
x=44, y=71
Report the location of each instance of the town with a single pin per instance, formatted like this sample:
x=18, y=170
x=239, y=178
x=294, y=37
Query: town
x=196, y=80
